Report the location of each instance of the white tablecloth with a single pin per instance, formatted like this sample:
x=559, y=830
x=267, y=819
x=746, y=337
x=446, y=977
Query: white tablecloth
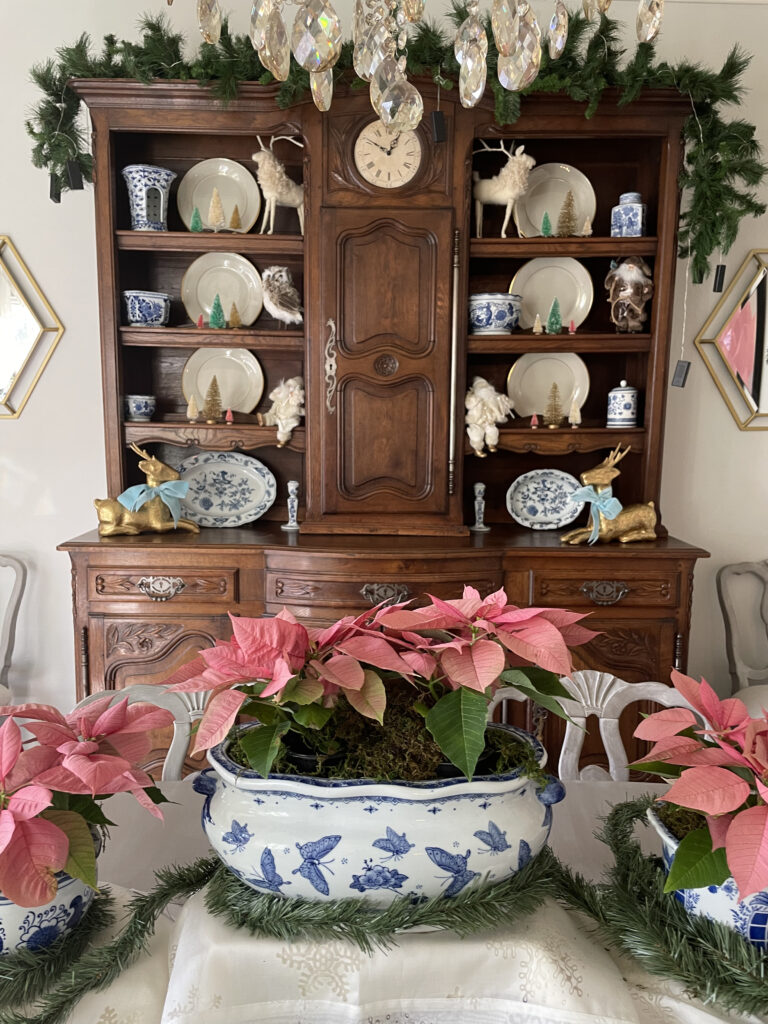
x=545, y=969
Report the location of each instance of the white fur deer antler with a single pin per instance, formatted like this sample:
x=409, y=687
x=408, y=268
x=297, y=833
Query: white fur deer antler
x=494, y=149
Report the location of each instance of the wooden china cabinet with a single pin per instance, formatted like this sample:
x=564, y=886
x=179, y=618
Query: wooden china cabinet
x=386, y=474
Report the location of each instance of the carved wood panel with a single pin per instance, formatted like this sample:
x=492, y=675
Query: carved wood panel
x=620, y=587
x=107, y=584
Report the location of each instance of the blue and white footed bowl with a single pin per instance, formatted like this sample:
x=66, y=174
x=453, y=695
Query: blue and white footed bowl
x=35, y=928
x=147, y=309
x=140, y=408
x=748, y=917
x=494, y=312
x=327, y=839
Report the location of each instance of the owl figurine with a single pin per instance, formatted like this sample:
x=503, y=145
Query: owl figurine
x=281, y=300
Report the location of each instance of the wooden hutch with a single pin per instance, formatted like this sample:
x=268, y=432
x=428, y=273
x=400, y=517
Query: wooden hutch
x=386, y=474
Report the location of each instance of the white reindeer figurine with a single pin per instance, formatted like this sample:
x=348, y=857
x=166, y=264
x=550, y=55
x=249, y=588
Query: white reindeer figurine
x=278, y=188
x=503, y=188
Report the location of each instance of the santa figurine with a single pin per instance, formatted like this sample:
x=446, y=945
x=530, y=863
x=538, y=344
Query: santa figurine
x=485, y=408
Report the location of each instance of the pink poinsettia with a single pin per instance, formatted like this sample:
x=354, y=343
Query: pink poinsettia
x=725, y=773
x=291, y=678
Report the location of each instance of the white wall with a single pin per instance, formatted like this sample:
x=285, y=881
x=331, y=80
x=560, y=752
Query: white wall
x=52, y=458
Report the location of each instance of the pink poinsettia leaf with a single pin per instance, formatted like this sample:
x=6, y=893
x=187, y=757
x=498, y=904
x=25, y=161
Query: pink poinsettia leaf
x=133, y=747
x=710, y=789
x=664, y=723
x=344, y=671
x=762, y=789
x=82, y=720
x=10, y=747
x=670, y=749
x=376, y=651
x=28, y=801
x=421, y=663
x=689, y=688
x=111, y=720
x=718, y=829
x=746, y=848
x=734, y=713
x=263, y=640
x=37, y=850
x=713, y=755
x=99, y=772
x=539, y=643
x=51, y=734
x=147, y=803
x=30, y=764
x=7, y=828
x=62, y=780
x=476, y=667
x=219, y=716
x=36, y=712
x=191, y=670
x=282, y=674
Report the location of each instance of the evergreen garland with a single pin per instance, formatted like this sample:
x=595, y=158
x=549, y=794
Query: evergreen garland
x=712, y=961
x=723, y=162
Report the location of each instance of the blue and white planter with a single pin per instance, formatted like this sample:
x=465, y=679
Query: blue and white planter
x=749, y=917
x=494, y=312
x=149, y=189
x=326, y=839
x=146, y=309
x=36, y=928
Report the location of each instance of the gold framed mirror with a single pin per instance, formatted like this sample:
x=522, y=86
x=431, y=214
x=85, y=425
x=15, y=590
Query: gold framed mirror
x=734, y=343
x=29, y=331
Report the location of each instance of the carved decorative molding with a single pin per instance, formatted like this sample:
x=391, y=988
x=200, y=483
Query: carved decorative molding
x=386, y=365
x=140, y=637
x=295, y=588
x=245, y=437
x=160, y=588
x=628, y=650
x=604, y=592
x=389, y=593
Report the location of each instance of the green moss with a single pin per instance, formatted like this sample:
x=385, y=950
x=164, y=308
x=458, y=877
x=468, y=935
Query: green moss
x=680, y=820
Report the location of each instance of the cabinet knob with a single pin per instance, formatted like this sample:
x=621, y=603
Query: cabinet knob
x=391, y=593
x=604, y=591
x=160, y=588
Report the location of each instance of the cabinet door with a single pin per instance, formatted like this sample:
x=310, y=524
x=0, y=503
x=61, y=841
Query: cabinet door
x=383, y=386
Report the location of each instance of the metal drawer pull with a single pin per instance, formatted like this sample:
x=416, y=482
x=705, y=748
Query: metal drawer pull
x=604, y=591
x=390, y=593
x=161, y=588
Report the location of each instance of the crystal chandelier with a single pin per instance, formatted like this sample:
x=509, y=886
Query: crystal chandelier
x=380, y=38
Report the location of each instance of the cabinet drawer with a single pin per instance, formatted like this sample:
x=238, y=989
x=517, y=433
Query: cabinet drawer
x=181, y=585
x=625, y=589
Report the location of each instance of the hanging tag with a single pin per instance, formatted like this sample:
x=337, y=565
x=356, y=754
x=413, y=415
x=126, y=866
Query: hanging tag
x=680, y=376
x=74, y=175
x=438, y=126
x=719, y=281
x=54, y=190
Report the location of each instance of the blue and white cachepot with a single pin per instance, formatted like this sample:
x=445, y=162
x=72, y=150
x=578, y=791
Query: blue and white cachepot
x=35, y=928
x=494, y=312
x=327, y=839
x=622, y=406
x=749, y=917
x=146, y=309
x=628, y=218
x=148, y=191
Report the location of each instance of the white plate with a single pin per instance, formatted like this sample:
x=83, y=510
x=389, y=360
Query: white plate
x=539, y=282
x=540, y=499
x=532, y=376
x=226, y=488
x=236, y=185
x=548, y=185
x=227, y=275
x=239, y=375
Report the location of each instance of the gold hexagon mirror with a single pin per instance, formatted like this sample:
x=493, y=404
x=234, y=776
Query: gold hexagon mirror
x=29, y=331
x=734, y=343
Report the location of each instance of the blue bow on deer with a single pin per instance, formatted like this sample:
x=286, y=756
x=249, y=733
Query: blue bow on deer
x=170, y=493
x=601, y=501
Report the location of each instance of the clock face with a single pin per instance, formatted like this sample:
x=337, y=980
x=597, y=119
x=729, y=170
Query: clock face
x=385, y=158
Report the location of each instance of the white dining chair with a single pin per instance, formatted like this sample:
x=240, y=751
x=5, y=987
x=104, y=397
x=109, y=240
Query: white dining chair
x=186, y=709
x=8, y=627
x=742, y=589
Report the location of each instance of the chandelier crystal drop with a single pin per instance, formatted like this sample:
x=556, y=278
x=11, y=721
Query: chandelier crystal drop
x=472, y=75
x=321, y=86
x=504, y=22
x=557, y=36
x=519, y=70
x=275, y=55
x=413, y=10
x=386, y=74
x=649, y=15
x=209, y=20
x=590, y=8
x=402, y=106
x=316, y=36
x=260, y=11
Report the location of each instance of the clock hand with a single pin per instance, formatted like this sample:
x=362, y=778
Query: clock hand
x=394, y=143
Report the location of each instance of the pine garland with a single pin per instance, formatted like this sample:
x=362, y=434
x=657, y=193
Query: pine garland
x=723, y=163
x=634, y=914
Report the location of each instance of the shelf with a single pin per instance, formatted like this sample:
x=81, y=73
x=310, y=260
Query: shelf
x=525, y=341
x=211, y=436
x=268, y=246
x=564, y=440
x=204, y=337
x=492, y=248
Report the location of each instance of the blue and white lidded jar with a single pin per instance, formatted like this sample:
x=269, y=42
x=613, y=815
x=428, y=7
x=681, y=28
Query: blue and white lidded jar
x=628, y=218
x=622, y=406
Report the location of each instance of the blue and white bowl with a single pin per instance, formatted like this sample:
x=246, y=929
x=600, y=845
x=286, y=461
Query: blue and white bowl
x=147, y=309
x=35, y=928
x=748, y=917
x=140, y=408
x=327, y=839
x=494, y=312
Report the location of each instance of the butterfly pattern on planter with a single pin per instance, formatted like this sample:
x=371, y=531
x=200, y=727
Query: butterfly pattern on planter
x=376, y=876
x=456, y=865
x=395, y=845
x=311, y=854
x=269, y=878
x=523, y=855
x=238, y=837
x=494, y=839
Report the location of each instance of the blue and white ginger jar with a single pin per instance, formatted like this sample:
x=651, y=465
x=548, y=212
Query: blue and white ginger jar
x=327, y=839
x=629, y=217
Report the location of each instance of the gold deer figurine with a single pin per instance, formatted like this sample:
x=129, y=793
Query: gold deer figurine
x=609, y=521
x=146, y=508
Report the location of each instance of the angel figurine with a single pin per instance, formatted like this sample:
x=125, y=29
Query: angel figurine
x=485, y=408
x=286, y=410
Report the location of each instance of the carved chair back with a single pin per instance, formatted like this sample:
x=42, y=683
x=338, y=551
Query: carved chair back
x=186, y=709
x=742, y=589
x=8, y=623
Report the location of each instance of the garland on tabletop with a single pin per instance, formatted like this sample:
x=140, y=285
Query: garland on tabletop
x=712, y=961
x=723, y=162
